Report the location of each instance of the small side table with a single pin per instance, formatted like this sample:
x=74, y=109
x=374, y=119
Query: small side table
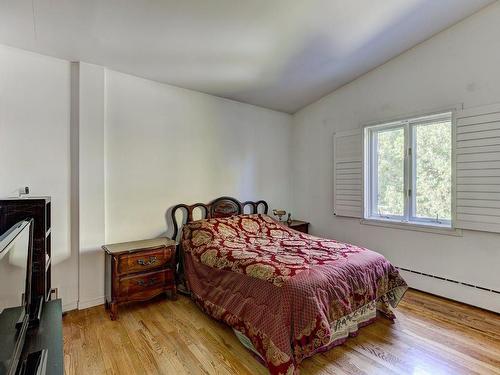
x=138, y=271
x=298, y=225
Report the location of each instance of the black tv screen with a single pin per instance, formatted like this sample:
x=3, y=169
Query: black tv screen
x=14, y=253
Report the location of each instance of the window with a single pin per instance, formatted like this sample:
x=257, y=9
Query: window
x=408, y=170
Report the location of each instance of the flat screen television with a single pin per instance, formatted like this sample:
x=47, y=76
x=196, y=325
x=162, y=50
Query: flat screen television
x=16, y=252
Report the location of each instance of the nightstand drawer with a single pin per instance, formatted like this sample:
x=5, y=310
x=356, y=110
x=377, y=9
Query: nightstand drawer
x=145, y=260
x=301, y=227
x=298, y=225
x=140, y=286
x=138, y=271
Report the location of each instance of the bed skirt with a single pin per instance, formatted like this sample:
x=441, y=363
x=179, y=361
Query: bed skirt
x=347, y=326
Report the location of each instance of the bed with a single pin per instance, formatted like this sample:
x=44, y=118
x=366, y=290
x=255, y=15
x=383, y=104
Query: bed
x=287, y=295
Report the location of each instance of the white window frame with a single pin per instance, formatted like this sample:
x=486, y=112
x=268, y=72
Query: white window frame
x=369, y=163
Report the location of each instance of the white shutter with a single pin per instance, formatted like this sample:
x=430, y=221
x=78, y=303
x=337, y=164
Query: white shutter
x=348, y=173
x=478, y=168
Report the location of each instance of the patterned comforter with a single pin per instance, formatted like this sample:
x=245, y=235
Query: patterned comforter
x=290, y=294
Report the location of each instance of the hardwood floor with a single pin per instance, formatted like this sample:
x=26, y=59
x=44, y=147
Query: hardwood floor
x=430, y=336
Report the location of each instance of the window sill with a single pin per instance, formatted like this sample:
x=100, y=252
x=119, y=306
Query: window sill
x=429, y=228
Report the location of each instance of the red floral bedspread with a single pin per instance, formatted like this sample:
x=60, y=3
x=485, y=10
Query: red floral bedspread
x=290, y=293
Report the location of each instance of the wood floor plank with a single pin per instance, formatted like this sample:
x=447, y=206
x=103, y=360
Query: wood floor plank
x=431, y=335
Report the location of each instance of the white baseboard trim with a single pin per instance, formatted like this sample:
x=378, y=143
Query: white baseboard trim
x=70, y=306
x=90, y=303
x=473, y=296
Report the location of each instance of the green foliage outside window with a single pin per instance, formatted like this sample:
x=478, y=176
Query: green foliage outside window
x=433, y=170
x=390, y=171
x=432, y=151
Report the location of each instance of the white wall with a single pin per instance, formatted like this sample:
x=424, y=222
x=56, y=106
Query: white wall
x=459, y=65
x=91, y=182
x=166, y=145
x=116, y=151
x=35, y=146
x=146, y=146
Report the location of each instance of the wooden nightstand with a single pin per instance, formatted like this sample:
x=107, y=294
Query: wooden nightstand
x=138, y=271
x=298, y=225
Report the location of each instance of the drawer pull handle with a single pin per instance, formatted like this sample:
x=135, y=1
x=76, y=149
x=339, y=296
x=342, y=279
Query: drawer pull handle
x=148, y=283
x=143, y=262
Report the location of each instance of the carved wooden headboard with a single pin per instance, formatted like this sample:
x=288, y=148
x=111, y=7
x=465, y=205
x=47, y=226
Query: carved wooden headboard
x=220, y=207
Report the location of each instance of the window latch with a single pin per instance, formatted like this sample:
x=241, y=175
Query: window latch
x=409, y=192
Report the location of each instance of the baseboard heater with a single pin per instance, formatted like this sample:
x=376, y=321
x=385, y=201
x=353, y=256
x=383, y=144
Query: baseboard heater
x=450, y=280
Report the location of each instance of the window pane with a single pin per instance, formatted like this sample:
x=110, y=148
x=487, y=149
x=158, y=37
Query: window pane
x=390, y=172
x=433, y=170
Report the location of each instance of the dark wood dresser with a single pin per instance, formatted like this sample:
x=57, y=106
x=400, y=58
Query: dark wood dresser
x=138, y=271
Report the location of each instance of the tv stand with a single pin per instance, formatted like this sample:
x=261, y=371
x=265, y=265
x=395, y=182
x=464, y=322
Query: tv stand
x=35, y=316
x=43, y=345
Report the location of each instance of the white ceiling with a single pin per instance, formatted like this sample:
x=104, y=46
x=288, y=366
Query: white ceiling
x=279, y=54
